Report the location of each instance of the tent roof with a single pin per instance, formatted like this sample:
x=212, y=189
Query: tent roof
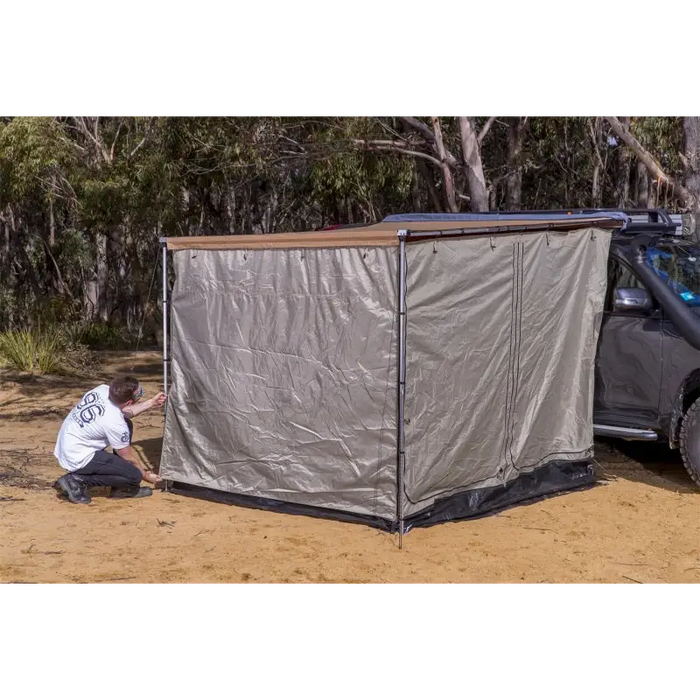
x=385, y=233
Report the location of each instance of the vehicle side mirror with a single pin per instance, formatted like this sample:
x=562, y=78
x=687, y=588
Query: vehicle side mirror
x=632, y=299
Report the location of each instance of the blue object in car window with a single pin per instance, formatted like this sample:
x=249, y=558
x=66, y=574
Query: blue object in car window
x=655, y=256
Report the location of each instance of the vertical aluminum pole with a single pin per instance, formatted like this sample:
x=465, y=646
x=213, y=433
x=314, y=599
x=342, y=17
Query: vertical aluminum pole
x=401, y=461
x=165, y=330
x=165, y=317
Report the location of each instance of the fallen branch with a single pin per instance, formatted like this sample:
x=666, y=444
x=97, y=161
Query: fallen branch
x=650, y=163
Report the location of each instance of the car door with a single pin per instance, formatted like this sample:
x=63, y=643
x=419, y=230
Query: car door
x=629, y=360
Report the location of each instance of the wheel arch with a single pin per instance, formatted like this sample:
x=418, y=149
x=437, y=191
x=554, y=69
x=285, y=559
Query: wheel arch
x=688, y=393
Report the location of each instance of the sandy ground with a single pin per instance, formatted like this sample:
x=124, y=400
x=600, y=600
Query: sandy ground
x=642, y=524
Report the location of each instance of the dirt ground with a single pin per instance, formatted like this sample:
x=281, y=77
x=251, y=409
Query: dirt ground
x=642, y=524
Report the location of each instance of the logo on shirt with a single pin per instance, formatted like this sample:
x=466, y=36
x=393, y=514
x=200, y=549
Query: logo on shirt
x=88, y=409
x=125, y=436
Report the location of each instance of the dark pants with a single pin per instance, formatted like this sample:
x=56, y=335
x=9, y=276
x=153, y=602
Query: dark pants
x=108, y=469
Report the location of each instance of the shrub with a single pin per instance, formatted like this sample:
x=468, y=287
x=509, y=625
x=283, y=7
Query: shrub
x=18, y=350
x=50, y=350
x=101, y=336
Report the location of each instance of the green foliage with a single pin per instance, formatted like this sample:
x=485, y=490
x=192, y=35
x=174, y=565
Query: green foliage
x=559, y=164
x=18, y=350
x=72, y=249
x=104, y=200
x=49, y=350
x=101, y=336
x=83, y=201
x=351, y=185
x=31, y=148
x=663, y=136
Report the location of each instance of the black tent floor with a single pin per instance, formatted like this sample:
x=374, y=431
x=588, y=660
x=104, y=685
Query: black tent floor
x=551, y=479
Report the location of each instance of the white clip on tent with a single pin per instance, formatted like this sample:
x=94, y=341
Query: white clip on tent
x=400, y=374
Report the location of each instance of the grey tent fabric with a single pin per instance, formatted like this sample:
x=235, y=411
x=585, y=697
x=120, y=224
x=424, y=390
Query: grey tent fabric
x=285, y=367
x=284, y=376
x=501, y=342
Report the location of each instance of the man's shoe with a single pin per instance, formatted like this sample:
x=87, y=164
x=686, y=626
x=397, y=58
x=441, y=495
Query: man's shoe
x=136, y=492
x=72, y=488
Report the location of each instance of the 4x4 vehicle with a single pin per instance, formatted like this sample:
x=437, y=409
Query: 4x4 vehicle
x=647, y=384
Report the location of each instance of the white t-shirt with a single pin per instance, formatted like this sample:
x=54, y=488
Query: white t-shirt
x=94, y=424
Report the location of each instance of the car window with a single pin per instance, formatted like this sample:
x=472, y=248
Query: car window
x=678, y=264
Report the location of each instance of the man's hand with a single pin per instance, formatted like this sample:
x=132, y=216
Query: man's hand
x=159, y=399
x=135, y=409
x=129, y=455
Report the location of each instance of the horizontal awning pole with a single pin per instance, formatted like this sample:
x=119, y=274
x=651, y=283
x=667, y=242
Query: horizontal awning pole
x=517, y=228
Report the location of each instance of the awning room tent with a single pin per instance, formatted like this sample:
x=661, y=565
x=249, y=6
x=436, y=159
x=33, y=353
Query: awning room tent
x=400, y=374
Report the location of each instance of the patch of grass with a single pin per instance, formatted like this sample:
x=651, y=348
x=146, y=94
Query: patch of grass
x=18, y=350
x=45, y=351
x=50, y=353
x=102, y=336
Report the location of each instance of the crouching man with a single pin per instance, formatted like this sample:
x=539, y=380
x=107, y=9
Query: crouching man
x=101, y=419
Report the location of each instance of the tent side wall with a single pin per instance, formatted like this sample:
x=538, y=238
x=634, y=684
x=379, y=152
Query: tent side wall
x=284, y=376
x=501, y=343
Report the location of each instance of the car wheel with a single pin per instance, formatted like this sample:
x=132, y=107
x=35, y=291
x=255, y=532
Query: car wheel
x=690, y=441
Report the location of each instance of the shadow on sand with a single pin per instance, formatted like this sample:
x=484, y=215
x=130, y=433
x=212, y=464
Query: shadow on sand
x=645, y=462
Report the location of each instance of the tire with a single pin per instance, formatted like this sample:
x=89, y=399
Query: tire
x=690, y=441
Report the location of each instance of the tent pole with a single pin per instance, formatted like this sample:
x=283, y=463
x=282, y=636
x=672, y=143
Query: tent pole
x=165, y=328
x=165, y=317
x=401, y=462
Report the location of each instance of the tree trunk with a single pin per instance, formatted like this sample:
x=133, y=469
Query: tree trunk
x=595, y=187
x=447, y=181
x=427, y=176
x=52, y=224
x=598, y=165
x=22, y=256
x=514, y=179
x=642, y=186
x=625, y=171
x=653, y=198
x=348, y=211
x=6, y=275
x=691, y=130
x=471, y=156
x=415, y=188
x=99, y=285
x=493, y=201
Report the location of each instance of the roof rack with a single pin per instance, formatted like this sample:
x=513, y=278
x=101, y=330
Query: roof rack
x=646, y=217
x=643, y=219
x=640, y=219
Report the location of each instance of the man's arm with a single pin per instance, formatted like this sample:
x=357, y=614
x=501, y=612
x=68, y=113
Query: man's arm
x=158, y=400
x=129, y=455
